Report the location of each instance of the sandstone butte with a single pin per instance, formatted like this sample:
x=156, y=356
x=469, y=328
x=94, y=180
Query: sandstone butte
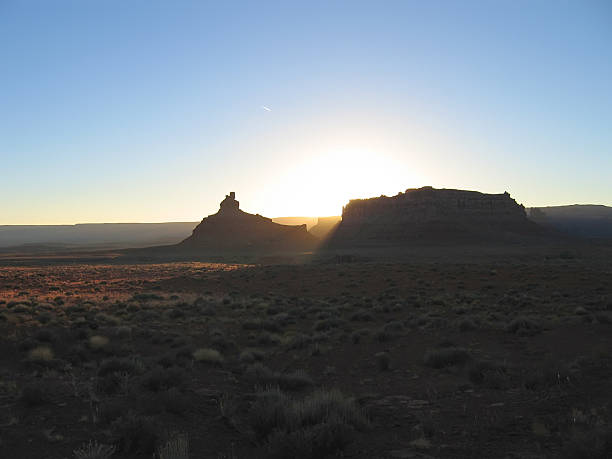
x=435, y=215
x=233, y=229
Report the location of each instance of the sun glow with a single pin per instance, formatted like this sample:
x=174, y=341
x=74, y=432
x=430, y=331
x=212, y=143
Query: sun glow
x=320, y=185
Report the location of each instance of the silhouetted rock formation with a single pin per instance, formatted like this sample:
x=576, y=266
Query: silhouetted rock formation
x=233, y=229
x=429, y=214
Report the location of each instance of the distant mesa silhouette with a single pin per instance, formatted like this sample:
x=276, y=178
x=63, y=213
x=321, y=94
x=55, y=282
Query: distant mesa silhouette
x=581, y=220
x=233, y=229
x=436, y=215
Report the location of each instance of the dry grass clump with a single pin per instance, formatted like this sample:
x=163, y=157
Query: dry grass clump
x=41, y=354
x=176, y=447
x=206, y=355
x=98, y=342
x=317, y=426
x=94, y=450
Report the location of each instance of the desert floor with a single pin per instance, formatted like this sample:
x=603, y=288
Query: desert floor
x=445, y=357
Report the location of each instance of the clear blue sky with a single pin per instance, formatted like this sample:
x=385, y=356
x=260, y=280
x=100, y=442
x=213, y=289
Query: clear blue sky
x=153, y=110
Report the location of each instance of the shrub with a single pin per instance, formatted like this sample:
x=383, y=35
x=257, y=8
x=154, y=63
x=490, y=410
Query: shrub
x=40, y=354
x=98, y=342
x=446, y=357
x=206, y=355
x=316, y=426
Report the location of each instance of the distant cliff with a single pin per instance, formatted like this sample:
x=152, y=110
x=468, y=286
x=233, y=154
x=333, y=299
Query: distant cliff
x=433, y=214
x=233, y=229
x=583, y=220
x=96, y=235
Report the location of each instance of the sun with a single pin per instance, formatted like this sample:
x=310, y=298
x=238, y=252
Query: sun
x=321, y=184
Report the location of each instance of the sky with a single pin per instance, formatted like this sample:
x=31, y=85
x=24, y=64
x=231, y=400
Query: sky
x=151, y=111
